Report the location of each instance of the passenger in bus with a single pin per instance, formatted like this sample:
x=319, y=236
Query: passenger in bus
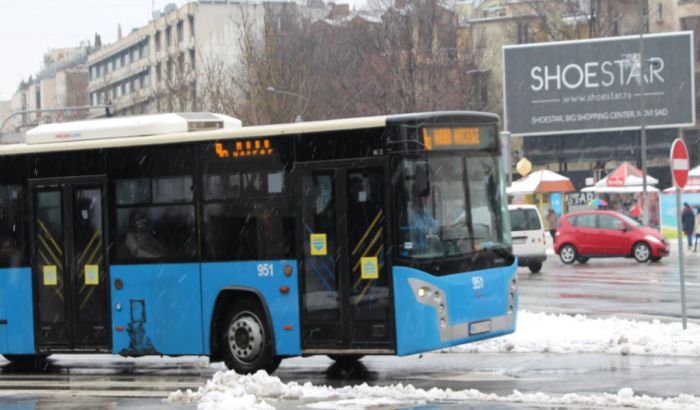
x=10, y=256
x=140, y=241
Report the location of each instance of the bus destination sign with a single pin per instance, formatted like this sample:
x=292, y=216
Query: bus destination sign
x=450, y=138
x=244, y=148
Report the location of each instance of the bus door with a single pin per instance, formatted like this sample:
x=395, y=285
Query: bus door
x=68, y=265
x=345, y=286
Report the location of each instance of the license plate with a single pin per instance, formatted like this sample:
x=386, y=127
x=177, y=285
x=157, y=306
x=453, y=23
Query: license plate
x=519, y=241
x=476, y=328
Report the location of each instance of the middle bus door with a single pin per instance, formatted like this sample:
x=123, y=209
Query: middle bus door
x=345, y=287
x=68, y=263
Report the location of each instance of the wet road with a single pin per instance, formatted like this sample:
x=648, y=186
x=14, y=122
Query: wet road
x=613, y=286
x=606, y=287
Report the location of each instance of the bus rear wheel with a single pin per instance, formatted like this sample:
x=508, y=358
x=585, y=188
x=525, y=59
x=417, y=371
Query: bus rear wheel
x=246, y=339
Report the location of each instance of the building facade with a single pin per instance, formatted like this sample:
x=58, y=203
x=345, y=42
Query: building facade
x=61, y=83
x=163, y=65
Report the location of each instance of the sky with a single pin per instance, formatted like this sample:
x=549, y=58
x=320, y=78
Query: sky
x=28, y=28
x=536, y=333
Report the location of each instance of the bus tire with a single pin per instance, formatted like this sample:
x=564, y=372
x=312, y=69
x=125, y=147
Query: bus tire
x=246, y=339
x=28, y=361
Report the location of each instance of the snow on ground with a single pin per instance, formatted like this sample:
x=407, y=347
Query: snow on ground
x=228, y=390
x=537, y=333
x=551, y=333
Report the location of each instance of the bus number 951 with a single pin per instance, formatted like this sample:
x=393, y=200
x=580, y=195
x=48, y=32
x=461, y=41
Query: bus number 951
x=266, y=269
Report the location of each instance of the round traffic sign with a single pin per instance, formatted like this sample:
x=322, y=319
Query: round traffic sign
x=680, y=164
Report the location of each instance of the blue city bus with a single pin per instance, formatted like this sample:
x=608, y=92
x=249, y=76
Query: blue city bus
x=189, y=234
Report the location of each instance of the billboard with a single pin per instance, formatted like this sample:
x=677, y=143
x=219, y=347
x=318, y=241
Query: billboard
x=595, y=85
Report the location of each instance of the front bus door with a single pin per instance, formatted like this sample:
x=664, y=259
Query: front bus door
x=345, y=294
x=68, y=265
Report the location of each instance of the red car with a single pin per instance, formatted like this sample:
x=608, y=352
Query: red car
x=590, y=234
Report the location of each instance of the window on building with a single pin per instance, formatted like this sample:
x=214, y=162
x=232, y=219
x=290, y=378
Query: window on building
x=192, y=60
x=181, y=62
x=191, y=21
x=144, y=49
x=180, y=31
x=109, y=65
x=169, y=36
x=170, y=70
x=523, y=32
x=146, y=78
x=117, y=62
x=156, y=40
x=693, y=24
x=134, y=51
x=159, y=74
x=127, y=86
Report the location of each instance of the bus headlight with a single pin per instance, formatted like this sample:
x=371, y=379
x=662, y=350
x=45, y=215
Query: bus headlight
x=423, y=291
x=437, y=297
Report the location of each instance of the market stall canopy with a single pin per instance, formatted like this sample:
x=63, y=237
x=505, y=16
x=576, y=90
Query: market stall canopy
x=541, y=181
x=626, y=175
x=619, y=190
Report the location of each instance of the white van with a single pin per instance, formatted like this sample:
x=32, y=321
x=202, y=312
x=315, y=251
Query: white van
x=529, y=236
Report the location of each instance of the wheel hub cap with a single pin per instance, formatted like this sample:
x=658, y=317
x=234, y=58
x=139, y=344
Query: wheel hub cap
x=246, y=338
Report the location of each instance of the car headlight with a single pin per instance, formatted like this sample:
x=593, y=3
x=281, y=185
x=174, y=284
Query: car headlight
x=654, y=239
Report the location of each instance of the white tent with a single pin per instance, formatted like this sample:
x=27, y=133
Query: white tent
x=543, y=180
x=619, y=189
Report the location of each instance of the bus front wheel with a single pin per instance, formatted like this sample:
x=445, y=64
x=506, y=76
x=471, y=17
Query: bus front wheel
x=247, y=342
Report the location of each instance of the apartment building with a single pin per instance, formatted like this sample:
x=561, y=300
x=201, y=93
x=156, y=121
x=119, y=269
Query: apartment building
x=61, y=83
x=160, y=66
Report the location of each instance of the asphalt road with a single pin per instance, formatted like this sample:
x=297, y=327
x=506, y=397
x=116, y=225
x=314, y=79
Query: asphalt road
x=602, y=287
x=613, y=286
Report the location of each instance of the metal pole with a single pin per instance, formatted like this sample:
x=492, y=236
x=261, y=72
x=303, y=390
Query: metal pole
x=645, y=194
x=680, y=257
x=507, y=155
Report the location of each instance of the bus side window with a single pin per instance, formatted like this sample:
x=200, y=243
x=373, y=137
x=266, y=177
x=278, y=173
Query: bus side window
x=155, y=219
x=11, y=233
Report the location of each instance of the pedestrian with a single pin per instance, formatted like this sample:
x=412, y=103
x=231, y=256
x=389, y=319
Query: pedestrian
x=688, y=223
x=697, y=230
x=553, y=222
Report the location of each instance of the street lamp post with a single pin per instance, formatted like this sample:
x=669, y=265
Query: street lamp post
x=301, y=98
x=643, y=130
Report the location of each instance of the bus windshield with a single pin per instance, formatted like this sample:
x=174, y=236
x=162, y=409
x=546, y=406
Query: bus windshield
x=450, y=205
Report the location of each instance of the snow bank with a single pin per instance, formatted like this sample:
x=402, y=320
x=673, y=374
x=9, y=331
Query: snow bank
x=550, y=333
x=228, y=390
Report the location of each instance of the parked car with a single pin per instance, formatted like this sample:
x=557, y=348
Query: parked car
x=590, y=234
x=529, y=236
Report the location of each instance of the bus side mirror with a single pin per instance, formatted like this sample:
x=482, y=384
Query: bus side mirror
x=422, y=182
